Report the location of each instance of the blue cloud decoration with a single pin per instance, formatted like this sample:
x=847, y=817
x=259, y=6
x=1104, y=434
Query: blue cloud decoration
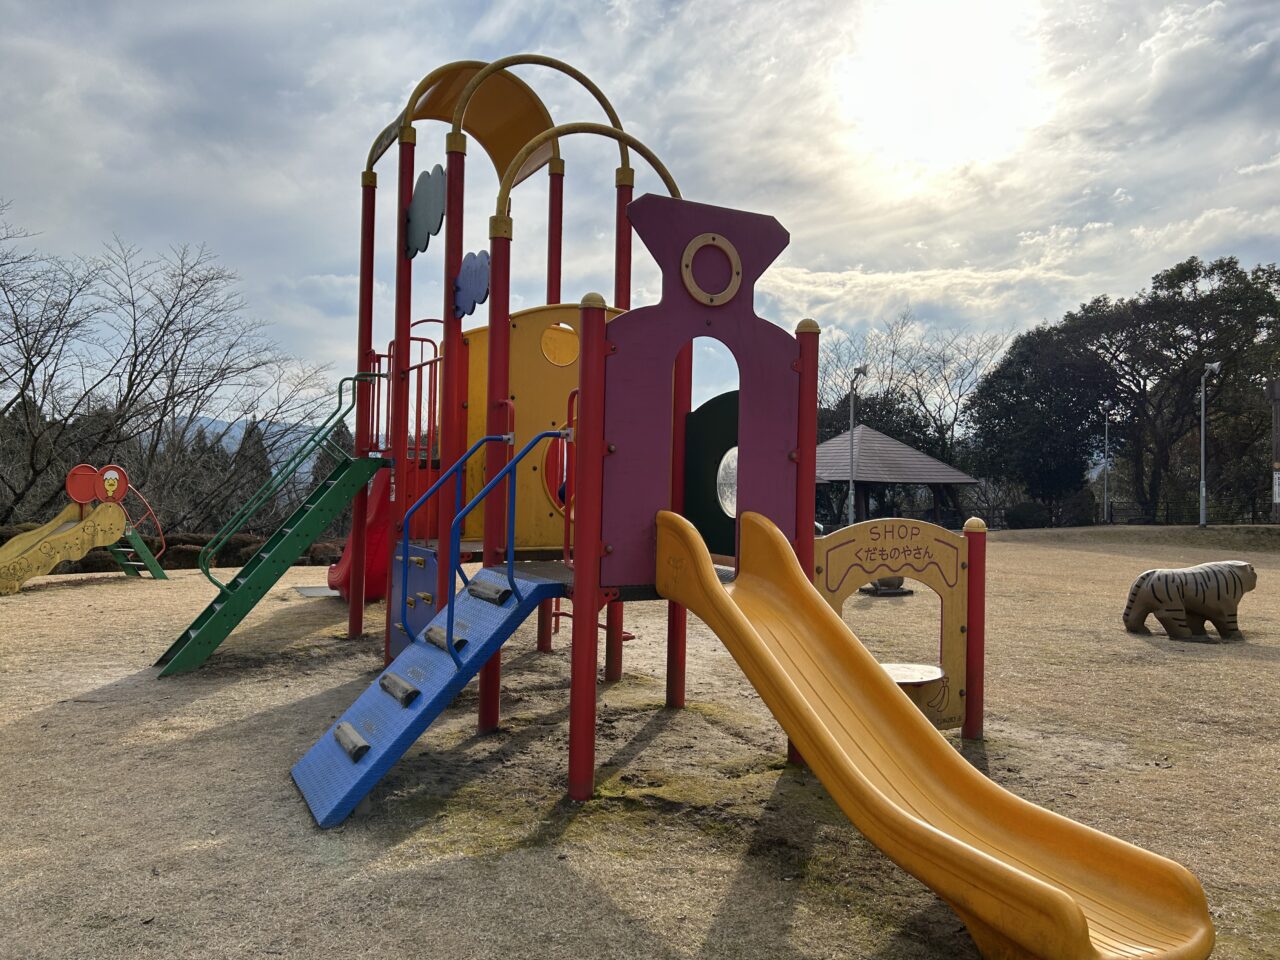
x=472, y=286
x=426, y=211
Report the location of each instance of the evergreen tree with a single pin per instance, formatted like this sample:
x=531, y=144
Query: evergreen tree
x=326, y=460
x=250, y=471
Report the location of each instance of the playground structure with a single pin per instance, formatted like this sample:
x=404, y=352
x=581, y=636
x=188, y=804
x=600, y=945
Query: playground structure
x=497, y=477
x=78, y=528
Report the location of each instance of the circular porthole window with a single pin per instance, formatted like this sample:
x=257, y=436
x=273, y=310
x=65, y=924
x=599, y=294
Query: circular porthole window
x=733, y=262
x=560, y=344
x=727, y=482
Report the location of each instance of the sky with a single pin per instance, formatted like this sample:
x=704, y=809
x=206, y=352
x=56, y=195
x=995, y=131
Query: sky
x=986, y=164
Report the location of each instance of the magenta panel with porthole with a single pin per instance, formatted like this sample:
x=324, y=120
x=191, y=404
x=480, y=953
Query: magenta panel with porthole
x=710, y=259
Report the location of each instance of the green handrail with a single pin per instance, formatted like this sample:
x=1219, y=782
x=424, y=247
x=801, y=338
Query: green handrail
x=318, y=437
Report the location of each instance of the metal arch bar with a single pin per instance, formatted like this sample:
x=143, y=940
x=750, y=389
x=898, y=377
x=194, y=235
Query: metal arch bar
x=566, y=129
x=536, y=59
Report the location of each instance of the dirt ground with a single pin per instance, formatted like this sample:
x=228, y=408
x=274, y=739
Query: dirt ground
x=157, y=819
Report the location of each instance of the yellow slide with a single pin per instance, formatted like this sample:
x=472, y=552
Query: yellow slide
x=65, y=537
x=1026, y=882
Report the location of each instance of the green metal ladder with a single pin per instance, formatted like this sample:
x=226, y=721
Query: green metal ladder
x=236, y=598
x=136, y=557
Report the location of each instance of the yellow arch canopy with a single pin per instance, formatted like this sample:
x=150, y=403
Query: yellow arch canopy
x=504, y=114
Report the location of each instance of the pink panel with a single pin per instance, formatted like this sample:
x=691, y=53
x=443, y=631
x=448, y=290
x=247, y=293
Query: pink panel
x=638, y=380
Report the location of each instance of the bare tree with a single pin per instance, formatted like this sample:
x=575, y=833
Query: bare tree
x=942, y=368
x=128, y=358
x=934, y=368
x=45, y=332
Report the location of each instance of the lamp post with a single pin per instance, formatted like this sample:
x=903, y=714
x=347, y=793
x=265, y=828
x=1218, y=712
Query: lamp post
x=1208, y=369
x=858, y=374
x=1106, y=461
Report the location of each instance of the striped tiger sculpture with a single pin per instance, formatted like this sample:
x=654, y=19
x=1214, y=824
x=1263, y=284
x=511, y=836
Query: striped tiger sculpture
x=1183, y=600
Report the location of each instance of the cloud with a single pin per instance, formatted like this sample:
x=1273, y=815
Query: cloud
x=1110, y=141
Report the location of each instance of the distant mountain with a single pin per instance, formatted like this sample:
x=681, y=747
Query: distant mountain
x=283, y=438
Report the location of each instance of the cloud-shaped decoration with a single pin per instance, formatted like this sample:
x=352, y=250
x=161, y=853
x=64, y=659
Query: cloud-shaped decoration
x=426, y=211
x=472, y=286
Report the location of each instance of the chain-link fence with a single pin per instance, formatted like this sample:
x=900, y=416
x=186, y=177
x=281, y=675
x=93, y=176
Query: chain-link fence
x=1220, y=510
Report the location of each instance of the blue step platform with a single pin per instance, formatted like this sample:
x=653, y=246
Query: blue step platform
x=421, y=586
x=385, y=721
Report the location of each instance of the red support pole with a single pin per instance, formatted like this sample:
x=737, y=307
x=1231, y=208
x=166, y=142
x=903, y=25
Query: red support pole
x=364, y=396
x=555, y=226
x=399, y=372
x=975, y=531
x=613, y=642
x=807, y=444
x=806, y=457
x=546, y=612
x=624, y=180
x=587, y=550
x=498, y=406
x=498, y=421
x=677, y=616
x=453, y=420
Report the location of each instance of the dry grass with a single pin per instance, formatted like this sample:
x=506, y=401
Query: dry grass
x=156, y=819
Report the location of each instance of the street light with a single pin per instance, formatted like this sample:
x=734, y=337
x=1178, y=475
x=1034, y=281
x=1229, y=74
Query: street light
x=1208, y=369
x=858, y=374
x=1106, y=460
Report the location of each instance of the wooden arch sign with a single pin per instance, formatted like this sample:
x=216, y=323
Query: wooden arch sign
x=934, y=556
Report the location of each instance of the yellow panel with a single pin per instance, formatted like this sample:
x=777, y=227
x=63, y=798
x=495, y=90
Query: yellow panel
x=541, y=381
x=850, y=558
x=1028, y=884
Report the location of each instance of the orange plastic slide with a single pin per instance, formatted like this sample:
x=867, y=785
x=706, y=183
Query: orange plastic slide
x=376, y=554
x=1026, y=882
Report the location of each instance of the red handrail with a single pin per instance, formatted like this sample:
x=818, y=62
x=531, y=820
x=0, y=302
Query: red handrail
x=154, y=519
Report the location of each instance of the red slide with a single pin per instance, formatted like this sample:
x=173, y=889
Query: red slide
x=375, y=549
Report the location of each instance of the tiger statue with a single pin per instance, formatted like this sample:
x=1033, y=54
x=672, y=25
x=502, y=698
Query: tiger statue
x=1183, y=600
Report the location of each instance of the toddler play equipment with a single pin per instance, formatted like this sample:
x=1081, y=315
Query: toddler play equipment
x=78, y=528
x=949, y=692
x=1026, y=882
x=1184, y=599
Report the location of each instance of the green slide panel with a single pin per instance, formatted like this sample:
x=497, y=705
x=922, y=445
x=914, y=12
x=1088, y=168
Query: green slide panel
x=266, y=566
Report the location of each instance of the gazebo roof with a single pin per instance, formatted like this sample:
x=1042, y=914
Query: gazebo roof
x=881, y=459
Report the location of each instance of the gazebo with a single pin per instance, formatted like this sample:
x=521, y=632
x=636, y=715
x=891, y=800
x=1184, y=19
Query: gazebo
x=876, y=460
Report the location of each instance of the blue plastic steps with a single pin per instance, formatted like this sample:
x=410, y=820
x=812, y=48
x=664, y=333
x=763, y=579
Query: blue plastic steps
x=330, y=780
x=421, y=586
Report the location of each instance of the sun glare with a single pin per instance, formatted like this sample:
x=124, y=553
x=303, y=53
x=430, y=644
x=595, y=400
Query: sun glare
x=937, y=84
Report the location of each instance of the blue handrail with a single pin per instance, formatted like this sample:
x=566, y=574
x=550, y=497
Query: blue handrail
x=455, y=532
x=454, y=470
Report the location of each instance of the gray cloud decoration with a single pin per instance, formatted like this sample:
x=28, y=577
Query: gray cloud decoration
x=472, y=286
x=426, y=211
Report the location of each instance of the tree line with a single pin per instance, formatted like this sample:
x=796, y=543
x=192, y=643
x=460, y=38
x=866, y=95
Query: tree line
x=152, y=362
x=1027, y=414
